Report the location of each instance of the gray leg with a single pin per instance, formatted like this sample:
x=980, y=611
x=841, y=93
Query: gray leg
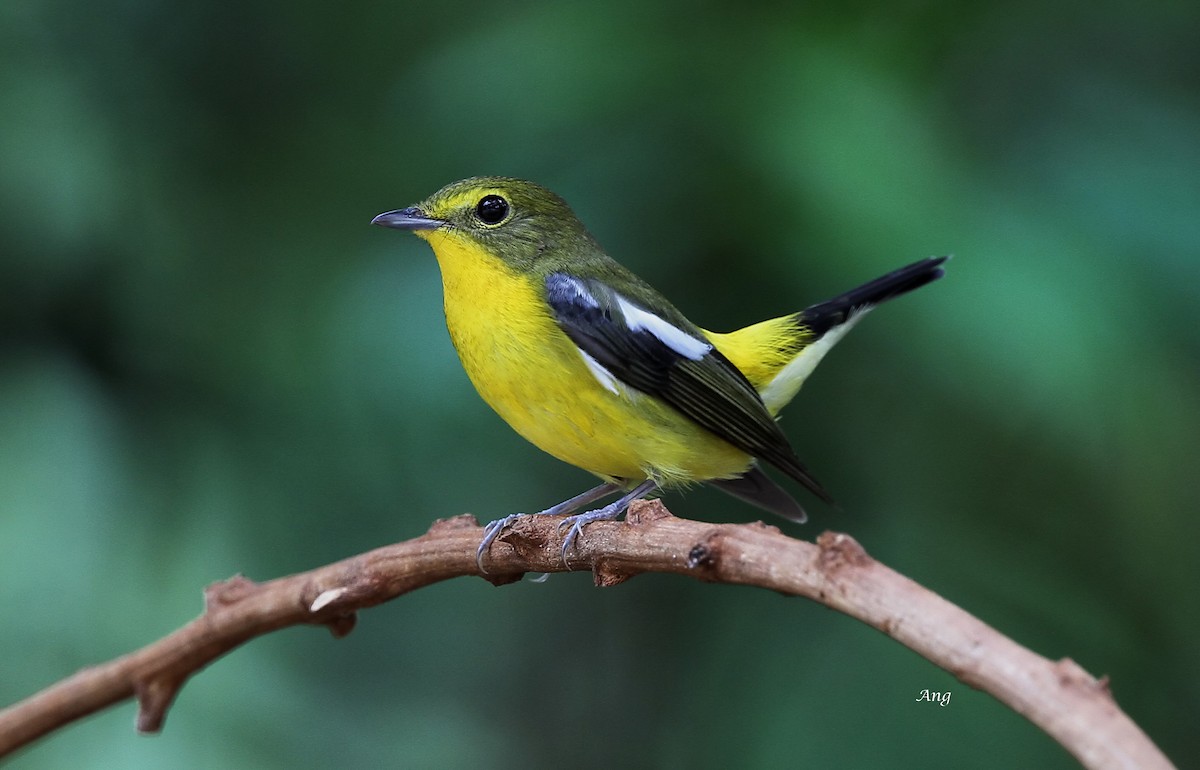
x=494, y=528
x=607, y=513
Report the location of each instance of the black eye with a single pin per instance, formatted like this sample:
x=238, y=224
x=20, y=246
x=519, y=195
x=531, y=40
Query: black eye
x=491, y=209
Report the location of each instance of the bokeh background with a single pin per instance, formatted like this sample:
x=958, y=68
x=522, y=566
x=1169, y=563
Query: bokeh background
x=211, y=364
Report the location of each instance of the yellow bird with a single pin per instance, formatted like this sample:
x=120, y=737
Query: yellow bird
x=595, y=367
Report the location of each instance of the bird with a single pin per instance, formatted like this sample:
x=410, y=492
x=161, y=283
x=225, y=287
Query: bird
x=595, y=367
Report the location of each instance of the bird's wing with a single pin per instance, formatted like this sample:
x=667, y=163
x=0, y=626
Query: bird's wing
x=652, y=355
x=757, y=488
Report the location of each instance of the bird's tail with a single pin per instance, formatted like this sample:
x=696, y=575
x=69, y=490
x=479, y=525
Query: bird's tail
x=823, y=316
x=779, y=354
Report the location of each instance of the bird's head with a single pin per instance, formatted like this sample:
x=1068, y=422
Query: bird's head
x=520, y=222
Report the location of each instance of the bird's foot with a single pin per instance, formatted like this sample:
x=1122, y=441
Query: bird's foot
x=577, y=522
x=494, y=528
x=491, y=531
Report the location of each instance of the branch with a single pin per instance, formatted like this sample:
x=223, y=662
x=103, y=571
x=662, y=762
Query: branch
x=1061, y=698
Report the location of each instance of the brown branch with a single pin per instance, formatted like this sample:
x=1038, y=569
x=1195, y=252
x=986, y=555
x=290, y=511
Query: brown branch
x=1061, y=698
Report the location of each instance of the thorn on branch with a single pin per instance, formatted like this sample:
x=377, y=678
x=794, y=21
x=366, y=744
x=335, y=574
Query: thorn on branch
x=765, y=527
x=451, y=523
x=342, y=625
x=504, y=578
x=646, y=511
x=155, y=697
x=606, y=575
x=840, y=551
x=1072, y=675
x=227, y=592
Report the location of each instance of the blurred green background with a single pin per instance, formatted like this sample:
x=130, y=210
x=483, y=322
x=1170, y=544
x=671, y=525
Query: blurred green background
x=210, y=363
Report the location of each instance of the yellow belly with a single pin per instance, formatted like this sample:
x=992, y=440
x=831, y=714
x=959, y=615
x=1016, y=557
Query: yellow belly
x=531, y=373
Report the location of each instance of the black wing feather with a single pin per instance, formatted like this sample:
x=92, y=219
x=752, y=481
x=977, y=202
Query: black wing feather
x=757, y=488
x=708, y=390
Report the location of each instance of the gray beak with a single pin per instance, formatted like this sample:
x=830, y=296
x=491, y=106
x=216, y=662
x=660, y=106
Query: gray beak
x=411, y=218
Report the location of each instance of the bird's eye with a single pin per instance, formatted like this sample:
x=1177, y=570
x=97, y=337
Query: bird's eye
x=491, y=209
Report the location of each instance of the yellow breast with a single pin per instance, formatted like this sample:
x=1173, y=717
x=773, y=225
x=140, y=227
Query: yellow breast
x=531, y=373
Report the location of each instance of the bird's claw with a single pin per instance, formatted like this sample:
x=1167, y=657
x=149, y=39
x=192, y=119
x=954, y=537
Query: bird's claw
x=575, y=531
x=577, y=522
x=491, y=531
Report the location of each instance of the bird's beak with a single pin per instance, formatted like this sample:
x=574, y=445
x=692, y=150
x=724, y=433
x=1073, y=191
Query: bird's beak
x=411, y=218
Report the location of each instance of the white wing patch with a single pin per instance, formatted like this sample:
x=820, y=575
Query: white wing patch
x=602, y=375
x=672, y=336
x=636, y=320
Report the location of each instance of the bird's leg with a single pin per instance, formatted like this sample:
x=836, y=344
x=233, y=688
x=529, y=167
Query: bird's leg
x=607, y=513
x=494, y=528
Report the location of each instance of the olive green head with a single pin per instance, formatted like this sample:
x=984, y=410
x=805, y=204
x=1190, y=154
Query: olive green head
x=521, y=222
